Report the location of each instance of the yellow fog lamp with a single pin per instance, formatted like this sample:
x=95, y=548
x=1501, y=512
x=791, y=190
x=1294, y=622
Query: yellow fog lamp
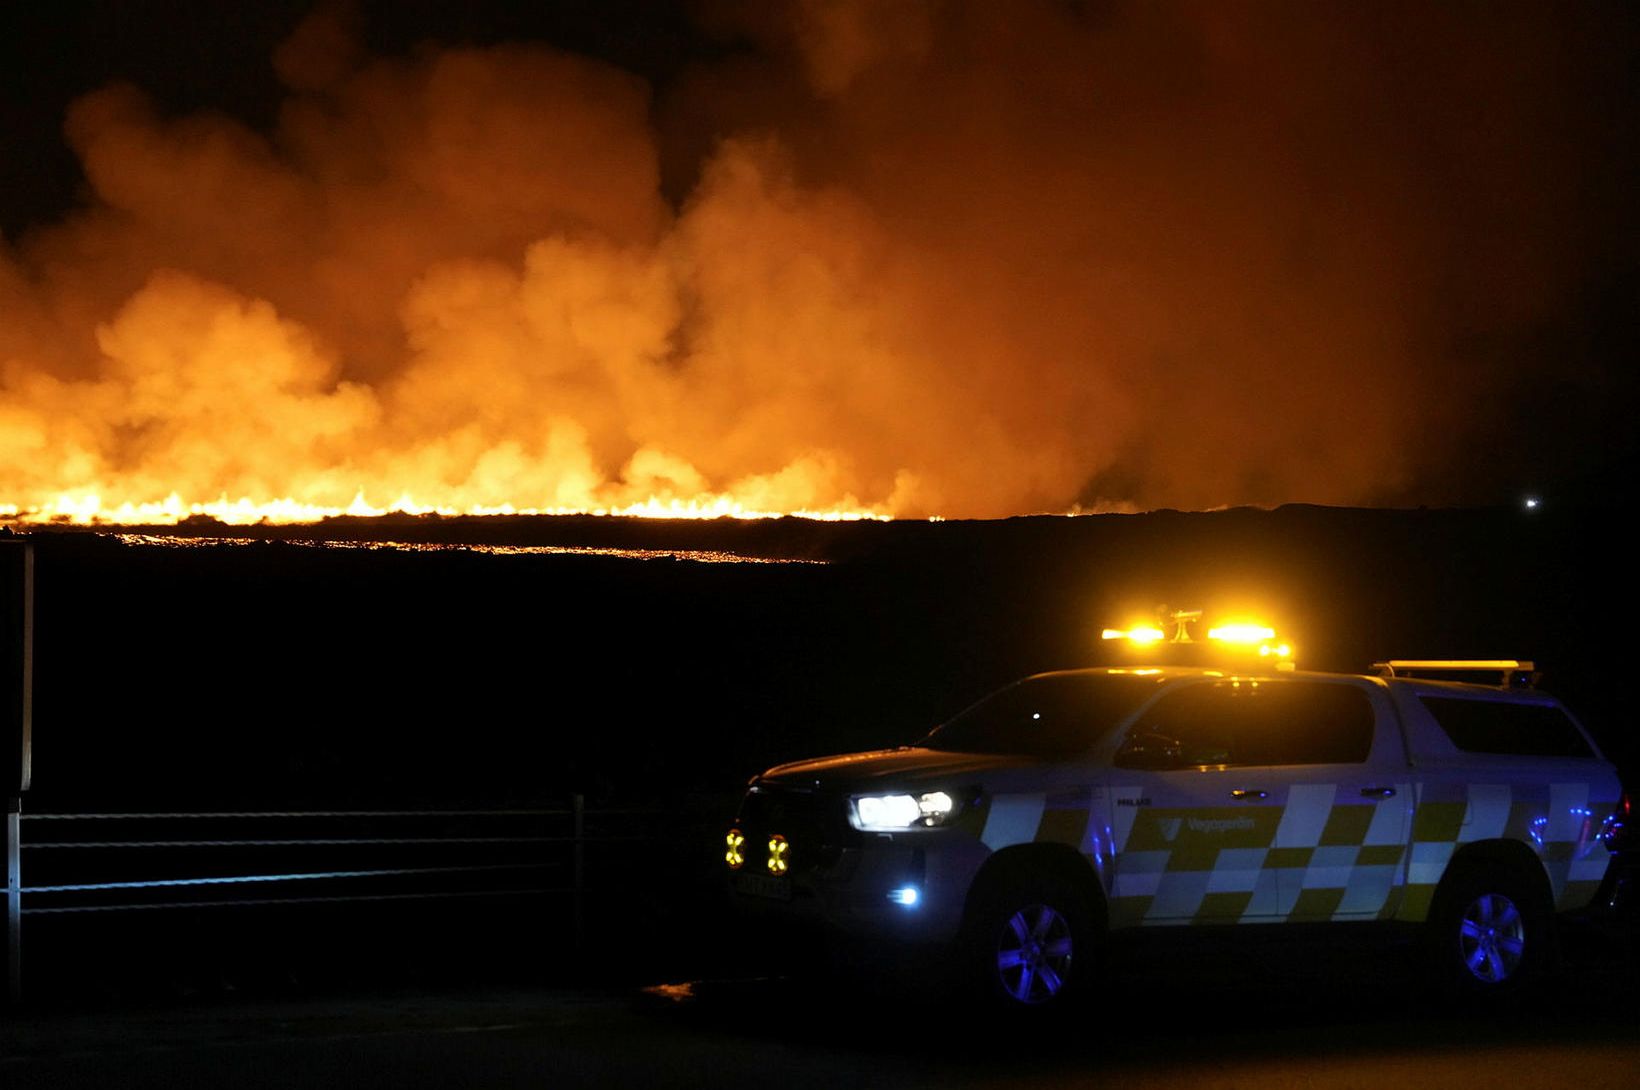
x=735, y=840
x=778, y=851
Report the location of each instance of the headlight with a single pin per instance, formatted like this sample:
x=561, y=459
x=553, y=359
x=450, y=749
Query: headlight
x=885, y=812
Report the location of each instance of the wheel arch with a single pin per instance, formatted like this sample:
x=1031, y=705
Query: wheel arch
x=1464, y=878
x=1501, y=852
x=1033, y=860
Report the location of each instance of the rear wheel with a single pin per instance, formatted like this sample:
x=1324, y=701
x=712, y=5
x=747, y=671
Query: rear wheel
x=1489, y=930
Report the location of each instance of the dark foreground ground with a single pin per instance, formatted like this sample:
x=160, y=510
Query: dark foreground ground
x=1268, y=1017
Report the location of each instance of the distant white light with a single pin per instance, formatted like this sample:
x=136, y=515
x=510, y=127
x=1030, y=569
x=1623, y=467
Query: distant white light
x=905, y=895
x=1532, y=503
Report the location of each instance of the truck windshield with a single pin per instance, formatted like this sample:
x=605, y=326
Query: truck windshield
x=1054, y=715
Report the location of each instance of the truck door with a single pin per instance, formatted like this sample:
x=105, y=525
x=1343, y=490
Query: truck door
x=1339, y=852
x=1227, y=807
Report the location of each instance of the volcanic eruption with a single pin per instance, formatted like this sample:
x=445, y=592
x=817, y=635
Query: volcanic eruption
x=898, y=259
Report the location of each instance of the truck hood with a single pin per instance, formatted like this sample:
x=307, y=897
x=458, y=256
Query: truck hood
x=906, y=766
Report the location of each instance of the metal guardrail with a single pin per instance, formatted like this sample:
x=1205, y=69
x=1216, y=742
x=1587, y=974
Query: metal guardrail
x=87, y=857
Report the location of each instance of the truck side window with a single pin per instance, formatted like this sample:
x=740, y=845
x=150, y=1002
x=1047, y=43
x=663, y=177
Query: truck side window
x=1517, y=729
x=1191, y=727
x=1263, y=723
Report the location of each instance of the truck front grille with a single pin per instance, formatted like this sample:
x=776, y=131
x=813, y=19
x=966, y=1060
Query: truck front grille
x=816, y=825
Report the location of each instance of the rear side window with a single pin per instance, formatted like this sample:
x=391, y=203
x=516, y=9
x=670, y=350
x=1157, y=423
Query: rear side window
x=1496, y=726
x=1263, y=723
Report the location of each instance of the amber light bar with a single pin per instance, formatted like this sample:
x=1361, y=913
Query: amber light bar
x=1252, y=637
x=1141, y=634
x=1242, y=633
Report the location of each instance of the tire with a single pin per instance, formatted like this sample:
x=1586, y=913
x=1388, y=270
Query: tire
x=1490, y=931
x=1031, y=943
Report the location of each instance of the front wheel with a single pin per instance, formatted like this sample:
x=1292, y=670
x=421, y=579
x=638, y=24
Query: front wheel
x=1032, y=944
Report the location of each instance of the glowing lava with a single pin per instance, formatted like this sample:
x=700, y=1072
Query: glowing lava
x=89, y=510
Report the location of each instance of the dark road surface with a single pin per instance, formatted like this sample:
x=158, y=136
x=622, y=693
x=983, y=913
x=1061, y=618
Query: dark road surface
x=1291, y=1021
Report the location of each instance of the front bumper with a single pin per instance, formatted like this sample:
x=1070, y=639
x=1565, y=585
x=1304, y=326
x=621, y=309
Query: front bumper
x=909, y=886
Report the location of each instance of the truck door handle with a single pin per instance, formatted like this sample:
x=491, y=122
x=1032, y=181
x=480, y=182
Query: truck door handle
x=1378, y=792
x=1249, y=793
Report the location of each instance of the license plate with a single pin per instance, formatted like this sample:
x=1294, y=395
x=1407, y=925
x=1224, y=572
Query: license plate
x=765, y=885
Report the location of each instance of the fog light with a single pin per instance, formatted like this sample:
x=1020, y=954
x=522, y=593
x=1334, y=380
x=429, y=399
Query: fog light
x=733, y=856
x=778, y=849
x=905, y=895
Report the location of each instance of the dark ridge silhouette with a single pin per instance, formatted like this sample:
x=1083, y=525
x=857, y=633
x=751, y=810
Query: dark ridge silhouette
x=283, y=672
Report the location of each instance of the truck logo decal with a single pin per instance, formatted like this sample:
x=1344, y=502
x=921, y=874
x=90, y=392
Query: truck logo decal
x=1220, y=825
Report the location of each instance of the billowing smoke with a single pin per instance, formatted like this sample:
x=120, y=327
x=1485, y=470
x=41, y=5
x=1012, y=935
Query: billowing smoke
x=966, y=259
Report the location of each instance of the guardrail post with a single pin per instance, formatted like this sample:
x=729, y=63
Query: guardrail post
x=14, y=902
x=578, y=863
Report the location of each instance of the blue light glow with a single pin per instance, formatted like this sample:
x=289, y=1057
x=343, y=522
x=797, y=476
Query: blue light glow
x=905, y=895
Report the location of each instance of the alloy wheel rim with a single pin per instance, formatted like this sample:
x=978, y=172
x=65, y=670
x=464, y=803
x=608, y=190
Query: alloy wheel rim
x=1034, y=954
x=1492, y=938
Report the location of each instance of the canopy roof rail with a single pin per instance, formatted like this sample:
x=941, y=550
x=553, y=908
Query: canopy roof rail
x=1511, y=673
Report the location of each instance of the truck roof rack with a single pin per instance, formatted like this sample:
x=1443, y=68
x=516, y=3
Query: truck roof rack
x=1511, y=673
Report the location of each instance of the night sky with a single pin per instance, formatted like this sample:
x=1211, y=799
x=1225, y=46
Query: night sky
x=956, y=259
x=198, y=55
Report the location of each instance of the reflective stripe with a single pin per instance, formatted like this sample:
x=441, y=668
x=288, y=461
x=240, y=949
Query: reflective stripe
x=1178, y=895
x=1568, y=812
x=1330, y=867
x=1488, y=812
x=1308, y=807
x=1389, y=818
x=1592, y=867
x=1236, y=870
x=1013, y=819
x=1328, y=855
x=1122, y=816
x=1367, y=891
x=1428, y=862
x=1140, y=874
x=1265, y=904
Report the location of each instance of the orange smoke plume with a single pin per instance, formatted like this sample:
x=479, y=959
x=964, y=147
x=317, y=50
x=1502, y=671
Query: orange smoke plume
x=956, y=259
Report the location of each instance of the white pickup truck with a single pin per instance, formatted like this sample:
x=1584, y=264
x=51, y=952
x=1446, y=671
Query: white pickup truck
x=1072, y=805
